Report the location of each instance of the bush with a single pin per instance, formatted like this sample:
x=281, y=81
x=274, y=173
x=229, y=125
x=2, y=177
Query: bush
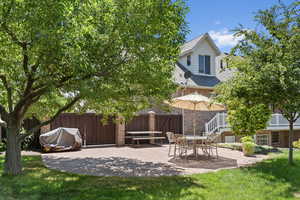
x=247, y=139
x=2, y=146
x=248, y=148
x=259, y=149
x=296, y=144
x=233, y=146
x=27, y=143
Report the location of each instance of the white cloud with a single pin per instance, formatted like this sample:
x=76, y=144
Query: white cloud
x=224, y=38
x=217, y=22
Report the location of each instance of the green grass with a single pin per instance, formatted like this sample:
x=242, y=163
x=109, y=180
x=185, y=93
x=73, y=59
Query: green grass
x=271, y=179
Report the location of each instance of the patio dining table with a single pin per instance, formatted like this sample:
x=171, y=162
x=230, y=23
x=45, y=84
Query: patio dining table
x=195, y=139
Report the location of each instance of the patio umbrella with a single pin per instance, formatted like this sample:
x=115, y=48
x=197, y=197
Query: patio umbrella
x=195, y=102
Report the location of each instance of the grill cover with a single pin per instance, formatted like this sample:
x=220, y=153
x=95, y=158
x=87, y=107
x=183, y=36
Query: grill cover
x=61, y=139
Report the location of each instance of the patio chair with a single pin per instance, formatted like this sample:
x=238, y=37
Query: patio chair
x=203, y=145
x=173, y=139
x=177, y=146
x=212, y=145
x=184, y=146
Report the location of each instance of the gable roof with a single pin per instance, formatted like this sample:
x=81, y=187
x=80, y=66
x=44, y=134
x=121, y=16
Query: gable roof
x=194, y=80
x=190, y=45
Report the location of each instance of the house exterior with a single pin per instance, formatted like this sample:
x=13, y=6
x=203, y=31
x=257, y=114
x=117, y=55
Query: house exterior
x=200, y=68
x=203, y=61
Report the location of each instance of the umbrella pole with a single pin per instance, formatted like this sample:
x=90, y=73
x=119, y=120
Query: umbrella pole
x=194, y=126
x=182, y=112
x=194, y=119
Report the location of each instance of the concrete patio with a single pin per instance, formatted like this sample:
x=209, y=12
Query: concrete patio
x=143, y=161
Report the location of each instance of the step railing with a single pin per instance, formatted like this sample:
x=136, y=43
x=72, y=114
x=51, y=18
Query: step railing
x=219, y=121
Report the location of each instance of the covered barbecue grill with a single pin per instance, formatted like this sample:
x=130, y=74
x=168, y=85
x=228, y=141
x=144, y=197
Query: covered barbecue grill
x=61, y=139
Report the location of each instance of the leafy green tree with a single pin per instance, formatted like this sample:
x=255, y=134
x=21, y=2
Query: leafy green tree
x=111, y=56
x=267, y=72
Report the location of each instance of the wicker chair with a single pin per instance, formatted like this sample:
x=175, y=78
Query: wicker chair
x=212, y=145
x=185, y=146
x=203, y=146
x=171, y=140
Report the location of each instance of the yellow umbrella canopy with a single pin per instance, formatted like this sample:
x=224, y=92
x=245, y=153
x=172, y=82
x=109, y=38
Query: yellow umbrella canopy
x=195, y=102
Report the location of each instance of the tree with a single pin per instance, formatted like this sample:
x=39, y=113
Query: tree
x=110, y=56
x=267, y=71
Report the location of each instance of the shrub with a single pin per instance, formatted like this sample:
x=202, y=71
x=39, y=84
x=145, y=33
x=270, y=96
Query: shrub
x=248, y=148
x=27, y=143
x=233, y=146
x=247, y=139
x=2, y=146
x=258, y=149
x=296, y=144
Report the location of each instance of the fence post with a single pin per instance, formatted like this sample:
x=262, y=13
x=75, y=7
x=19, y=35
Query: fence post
x=151, y=124
x=120, y=131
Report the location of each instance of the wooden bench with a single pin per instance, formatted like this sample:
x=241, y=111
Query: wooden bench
x=138, y=138
x=143, y=135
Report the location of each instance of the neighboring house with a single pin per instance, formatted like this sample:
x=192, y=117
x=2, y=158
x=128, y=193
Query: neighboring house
x=203, y=60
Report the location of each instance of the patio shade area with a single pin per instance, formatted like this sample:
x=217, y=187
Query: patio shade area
x=146, y=161
x=195, y=102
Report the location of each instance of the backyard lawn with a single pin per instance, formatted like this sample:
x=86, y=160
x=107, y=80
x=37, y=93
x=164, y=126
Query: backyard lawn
x=271, y=179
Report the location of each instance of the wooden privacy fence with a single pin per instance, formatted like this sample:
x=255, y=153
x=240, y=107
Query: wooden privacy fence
x=168, y=123
x=92, y=130
x=161, y=122
x=138, y=123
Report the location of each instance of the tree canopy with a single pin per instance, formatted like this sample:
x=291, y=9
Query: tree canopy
x=111, y=56
x=267, y=70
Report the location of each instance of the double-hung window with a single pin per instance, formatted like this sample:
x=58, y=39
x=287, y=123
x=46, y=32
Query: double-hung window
x=204, y=64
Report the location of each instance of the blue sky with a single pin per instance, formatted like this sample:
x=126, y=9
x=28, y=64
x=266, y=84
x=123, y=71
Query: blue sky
x=218, y=17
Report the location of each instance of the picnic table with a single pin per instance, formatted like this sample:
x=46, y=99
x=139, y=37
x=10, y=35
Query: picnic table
x=144, y=135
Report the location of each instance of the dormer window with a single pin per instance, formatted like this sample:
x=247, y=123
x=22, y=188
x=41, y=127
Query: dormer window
x=188, y=60
x=204, y=64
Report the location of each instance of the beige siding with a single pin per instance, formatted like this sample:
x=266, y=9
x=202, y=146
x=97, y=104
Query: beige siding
x=203, y=48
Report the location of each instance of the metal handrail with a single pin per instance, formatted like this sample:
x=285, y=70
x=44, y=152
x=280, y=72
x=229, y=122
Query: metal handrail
x=219, y=121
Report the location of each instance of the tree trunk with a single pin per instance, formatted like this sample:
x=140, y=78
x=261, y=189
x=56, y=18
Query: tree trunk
x=291, y=139
x=12, y=164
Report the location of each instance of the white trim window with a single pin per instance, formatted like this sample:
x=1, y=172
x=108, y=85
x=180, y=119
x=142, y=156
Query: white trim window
x=262, y=139
x=204, y=64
